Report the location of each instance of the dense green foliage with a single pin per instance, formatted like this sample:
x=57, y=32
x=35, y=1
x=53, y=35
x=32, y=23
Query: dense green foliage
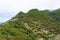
x=33, y=25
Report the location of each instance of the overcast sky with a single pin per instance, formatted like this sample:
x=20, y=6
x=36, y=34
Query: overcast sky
x=9, y=8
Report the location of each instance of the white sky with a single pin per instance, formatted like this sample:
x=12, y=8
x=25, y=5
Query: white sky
x=9, y=8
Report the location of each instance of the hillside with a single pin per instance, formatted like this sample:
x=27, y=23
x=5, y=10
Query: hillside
x=56, y=14
x=33, y=25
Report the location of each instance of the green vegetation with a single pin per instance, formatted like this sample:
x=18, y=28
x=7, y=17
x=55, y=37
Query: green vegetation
x=33, y=25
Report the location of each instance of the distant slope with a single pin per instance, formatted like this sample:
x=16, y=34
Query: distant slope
x=33, y=25
x=56, y=14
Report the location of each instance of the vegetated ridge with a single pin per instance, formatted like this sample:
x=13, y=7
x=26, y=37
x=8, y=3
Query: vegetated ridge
x=33, y=25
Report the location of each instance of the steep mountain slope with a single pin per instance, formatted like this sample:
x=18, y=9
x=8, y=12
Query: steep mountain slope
x=33, y=25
